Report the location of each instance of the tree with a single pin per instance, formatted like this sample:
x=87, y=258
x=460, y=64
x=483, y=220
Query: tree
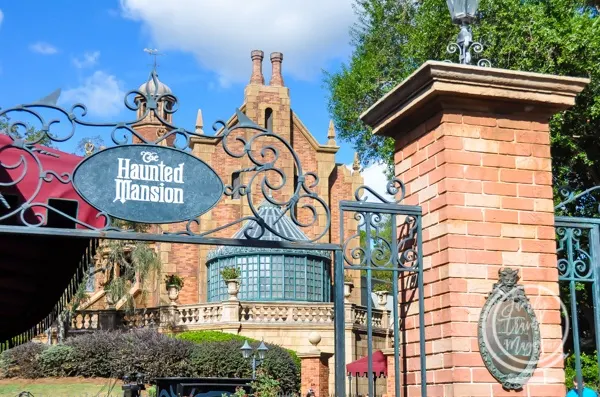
x=30, y=134
x=392, y=38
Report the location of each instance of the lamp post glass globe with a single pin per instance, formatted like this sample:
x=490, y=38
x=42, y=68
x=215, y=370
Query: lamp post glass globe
x=262, y=350
x=462, y=11
x=246, y=350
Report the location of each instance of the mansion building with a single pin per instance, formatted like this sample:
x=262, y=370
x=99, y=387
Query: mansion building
x=266, y=274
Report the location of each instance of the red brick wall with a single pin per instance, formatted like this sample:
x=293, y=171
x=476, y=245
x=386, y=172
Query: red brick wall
x=315, y=376
x=484, y=183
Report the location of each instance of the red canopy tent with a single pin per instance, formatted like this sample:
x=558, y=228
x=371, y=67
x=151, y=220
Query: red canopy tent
x=60, y=193
x=360, y=367
x=39, y=272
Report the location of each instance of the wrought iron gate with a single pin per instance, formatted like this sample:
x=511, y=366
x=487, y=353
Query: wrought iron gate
x=388, y=244
x=396, y=252
x=578, y=252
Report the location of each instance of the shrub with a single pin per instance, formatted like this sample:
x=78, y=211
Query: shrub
x=116, y=354
x=22, y=361
x=589, y=370
x=210, y=336
x=57, y=360
x=95, y=353
x=230, y=273
x=174, y=279
x=218, y=336
x=381, y=288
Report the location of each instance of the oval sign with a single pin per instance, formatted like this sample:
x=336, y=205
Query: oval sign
x=147, y=183
x=509, y=333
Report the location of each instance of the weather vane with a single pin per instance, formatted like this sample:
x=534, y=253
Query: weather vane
x=155, y=53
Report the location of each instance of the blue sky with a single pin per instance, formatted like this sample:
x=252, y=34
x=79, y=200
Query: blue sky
x=93, y=51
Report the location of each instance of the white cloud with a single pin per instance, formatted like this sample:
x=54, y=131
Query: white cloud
x=374, y=177
x=88, y=60
x=222, y=33
x=43, y=48
x=1, y=17
x=101, y=92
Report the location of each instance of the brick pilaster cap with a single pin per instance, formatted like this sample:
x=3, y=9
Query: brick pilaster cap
x=424, y=91
x=319, y=355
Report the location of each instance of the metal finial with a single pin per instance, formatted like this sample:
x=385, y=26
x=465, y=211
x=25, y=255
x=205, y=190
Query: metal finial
x=155, y=53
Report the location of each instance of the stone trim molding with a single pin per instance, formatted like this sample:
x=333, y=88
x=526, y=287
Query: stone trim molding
x=456, y=82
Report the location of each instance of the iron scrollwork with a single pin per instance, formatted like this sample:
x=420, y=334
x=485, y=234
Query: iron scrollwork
x=381, y=249
x=264, y=168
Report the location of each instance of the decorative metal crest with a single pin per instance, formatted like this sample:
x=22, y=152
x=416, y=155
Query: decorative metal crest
x=262, y=149
x=509, y=333
x=464, y=45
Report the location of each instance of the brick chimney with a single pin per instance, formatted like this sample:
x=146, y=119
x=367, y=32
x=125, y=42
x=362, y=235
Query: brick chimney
x=257, y=74
x=276, y=77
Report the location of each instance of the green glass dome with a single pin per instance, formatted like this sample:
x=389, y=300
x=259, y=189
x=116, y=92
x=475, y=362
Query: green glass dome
x=269, y=274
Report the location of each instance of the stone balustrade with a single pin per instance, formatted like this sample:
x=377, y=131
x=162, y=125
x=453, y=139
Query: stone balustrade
x=197, y=316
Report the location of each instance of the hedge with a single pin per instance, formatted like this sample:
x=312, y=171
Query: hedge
x=106, y=354
x=218, y=336
x=280, y=363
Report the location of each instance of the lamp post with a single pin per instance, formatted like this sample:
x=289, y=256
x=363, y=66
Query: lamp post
x=463, y=14
x=247, y=352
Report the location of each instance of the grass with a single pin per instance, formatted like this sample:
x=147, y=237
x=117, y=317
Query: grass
x=61, y=387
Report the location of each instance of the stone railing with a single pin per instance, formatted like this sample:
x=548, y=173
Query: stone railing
x=260, y=312
x=378, y=317
x=191, y=315
x=211, y=314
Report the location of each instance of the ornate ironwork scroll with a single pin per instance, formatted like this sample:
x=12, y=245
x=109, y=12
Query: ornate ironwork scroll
x=509, y=332
x=386, y=250
x=262, y=150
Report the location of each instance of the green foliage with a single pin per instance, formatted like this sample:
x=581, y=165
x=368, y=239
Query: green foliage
x=27, y=132
x=22, y=361
x=279, y=363
x=392, y=38
x=151, y=391
x=265, y=386
x=57, y=360
x=174, y=280
x=210, y=336
x=347, y=278
x=128, y=262
x=382, y=287
x=218, y=336
x=115, y=354
x=230, y=273
x=589, y=370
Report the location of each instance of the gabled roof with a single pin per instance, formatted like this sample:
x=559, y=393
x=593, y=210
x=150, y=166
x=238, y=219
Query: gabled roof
x=282, y=224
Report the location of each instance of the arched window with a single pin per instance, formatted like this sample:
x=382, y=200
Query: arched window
x=168, y=107
x=269, y=119
x=235, y=183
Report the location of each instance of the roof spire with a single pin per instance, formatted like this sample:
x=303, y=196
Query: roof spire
x=331, y=134
x=356, y=164
x=199, y=122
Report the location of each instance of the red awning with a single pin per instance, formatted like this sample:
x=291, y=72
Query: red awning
x=56, y=161
x=39, y=272
x=360, y=367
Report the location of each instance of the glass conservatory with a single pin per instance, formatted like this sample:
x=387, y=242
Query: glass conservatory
x=271, y=274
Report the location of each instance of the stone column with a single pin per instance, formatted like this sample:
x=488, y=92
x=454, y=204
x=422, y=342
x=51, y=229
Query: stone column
x=473, y=148
x=315, y=373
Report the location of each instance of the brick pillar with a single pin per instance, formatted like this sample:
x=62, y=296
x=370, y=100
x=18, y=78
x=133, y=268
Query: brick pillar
x=315, y=373
x=473, y=148
x=391, y=373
